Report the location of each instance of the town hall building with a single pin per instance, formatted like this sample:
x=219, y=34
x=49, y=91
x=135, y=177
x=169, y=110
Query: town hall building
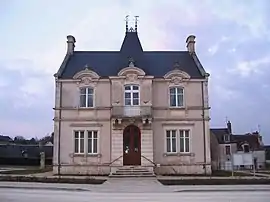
x=131, y=109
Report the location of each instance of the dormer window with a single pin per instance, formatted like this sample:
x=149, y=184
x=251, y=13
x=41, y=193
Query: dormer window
x=226, y=138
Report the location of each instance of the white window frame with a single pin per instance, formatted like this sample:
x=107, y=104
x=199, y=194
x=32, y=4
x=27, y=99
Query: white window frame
x=80, y=133
x=92, y=141
x=171, y=141
x=178, y=140
x=185, y=136
x=131, y=91
x=177, y=105
x=226, y=138
x=87, y=96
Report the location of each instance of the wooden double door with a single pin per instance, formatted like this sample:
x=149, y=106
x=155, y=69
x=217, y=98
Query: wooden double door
x=132, y=145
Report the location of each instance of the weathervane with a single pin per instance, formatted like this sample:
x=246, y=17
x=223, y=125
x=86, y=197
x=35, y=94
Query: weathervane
x=127, y=23
x=136, y=22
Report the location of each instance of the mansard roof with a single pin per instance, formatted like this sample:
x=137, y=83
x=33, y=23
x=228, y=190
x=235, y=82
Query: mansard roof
x=109, y=63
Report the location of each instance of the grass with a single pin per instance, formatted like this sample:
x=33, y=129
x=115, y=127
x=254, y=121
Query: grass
x=26, y=170
x=217, y=173
x=223, y=173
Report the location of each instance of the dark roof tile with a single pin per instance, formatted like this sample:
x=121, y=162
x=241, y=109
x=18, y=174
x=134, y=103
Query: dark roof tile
x=109, y=63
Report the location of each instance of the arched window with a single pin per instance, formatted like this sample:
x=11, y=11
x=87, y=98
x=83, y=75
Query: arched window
x=176, y=97
x=86, y=97
x=132, y=95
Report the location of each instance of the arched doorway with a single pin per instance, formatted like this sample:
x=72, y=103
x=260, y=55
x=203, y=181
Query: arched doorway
x=131, y=145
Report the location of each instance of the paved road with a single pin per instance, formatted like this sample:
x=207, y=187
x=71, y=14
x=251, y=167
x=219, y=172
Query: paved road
x=131, y=190
x=20, y=195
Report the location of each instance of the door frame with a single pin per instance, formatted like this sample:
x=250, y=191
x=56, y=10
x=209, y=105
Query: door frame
x=133, y=157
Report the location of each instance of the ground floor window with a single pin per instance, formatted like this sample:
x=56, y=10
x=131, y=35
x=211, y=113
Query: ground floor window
x=177, y=141
x=86, y=141
x=92, y=142
x=79, y=142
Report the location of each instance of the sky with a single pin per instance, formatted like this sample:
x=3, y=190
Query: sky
x=232, y=43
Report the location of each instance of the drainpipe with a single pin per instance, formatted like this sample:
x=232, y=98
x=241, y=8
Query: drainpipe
x=111, y=121
x=59, y=127
x=203, y=117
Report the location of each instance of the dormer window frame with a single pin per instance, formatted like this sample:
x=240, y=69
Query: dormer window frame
x=227, y=138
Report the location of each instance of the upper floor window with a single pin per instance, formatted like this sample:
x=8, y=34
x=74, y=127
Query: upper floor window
x=246, y=148
x=86, y=97
x=132, y=95
x=228, y=149
x=176, y=97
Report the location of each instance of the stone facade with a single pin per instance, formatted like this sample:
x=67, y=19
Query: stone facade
x=154, y=117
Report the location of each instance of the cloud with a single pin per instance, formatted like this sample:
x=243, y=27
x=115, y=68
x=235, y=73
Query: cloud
x=232, y=44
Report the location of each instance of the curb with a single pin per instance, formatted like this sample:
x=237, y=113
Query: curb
x=52, y=179
x=262, y=181
x=45, y=188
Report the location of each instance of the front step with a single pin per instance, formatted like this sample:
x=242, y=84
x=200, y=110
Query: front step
x=132, y=171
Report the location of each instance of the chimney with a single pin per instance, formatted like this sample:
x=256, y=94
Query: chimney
x=70, y=44
x=229, y=127
x=191, y=43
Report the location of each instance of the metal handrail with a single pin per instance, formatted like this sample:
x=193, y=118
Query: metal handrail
x=149, y=160
x=115, y=159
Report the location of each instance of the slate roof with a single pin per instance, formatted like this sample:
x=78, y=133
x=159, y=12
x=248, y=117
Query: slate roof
x=109, y=63
x=251, y=139
x=219, y=134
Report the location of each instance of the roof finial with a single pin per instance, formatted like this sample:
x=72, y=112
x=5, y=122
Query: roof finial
x=127, y=23
x=136, y=22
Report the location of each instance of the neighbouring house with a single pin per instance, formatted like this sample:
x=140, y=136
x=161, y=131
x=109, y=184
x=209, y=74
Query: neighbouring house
x=116, y=109
x=29, y=155
x=5, y=139
x=267, y=154
x=224, y=144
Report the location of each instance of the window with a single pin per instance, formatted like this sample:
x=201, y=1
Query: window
x=226, y=138
x=184, y=141
x=171, y=141
x=132, y=95
x=246, y=148
x=176, y=97
x=177, y=141
x=92, y=142
x=79, y=142
x=86, y=97
x=228, y=149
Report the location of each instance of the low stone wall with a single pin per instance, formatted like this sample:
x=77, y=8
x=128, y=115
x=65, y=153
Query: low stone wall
x=183, y=170
x=82, y=170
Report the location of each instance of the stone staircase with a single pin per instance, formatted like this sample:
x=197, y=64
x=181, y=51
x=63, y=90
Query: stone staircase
x=132, y=171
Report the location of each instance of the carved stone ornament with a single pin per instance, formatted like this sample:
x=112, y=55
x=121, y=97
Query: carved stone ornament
x=176, y=80
x=86, y=81
x=131, y=77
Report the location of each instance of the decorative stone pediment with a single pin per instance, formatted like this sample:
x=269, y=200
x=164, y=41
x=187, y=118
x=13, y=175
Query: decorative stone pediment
x=177, y=73
x=131, y=72
x=87, y=74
